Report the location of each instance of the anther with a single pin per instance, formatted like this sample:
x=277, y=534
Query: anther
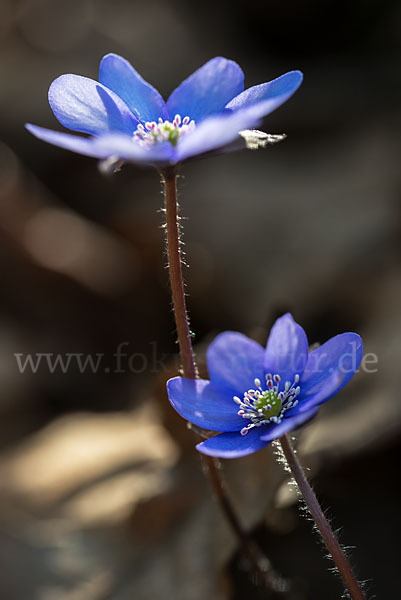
x=263, y=406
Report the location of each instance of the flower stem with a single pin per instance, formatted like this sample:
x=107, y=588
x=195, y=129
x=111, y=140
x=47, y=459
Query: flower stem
x=329, y=538
x=260, y=563
x=176, y=279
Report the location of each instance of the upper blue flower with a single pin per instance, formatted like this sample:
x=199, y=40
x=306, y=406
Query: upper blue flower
x=255, y=395
x=127, y=118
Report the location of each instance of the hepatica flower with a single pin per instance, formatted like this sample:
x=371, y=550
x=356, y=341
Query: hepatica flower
x=255, y=394
x=128, y=120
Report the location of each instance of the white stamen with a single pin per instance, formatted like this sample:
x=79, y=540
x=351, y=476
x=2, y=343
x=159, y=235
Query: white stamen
x=163, y=131
x=257, y=405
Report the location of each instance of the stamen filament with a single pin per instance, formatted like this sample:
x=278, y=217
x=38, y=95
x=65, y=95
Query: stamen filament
x=262, y=407
x=163, y=131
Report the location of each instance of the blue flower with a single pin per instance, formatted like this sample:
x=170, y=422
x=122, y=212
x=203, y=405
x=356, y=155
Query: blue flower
x=128, y=120
x=256, y=395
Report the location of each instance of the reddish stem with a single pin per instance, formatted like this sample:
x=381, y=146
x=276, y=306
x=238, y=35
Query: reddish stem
x=329, y=538
x=259, y=562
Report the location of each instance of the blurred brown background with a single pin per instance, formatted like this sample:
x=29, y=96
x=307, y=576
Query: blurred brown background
x=101, y=493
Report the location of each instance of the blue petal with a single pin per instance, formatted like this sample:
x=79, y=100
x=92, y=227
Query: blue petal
x=205, y=404
x=144, y=100
x=207, y=90
x=82, y=104
x=275, y=431
x=233, y=445
x=268, y=95
x=286, y=349
x=329, y=368
x=215, y=132
x=124, y=147
x=234, y=361
x=104, y=146
x=75, y=143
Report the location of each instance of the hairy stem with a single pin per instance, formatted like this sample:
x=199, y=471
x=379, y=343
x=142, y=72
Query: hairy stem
x=176, y=279
x=259, y=562
x=329, y=538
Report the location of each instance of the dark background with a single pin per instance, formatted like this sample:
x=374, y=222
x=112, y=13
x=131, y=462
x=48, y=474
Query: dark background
x=101, y=494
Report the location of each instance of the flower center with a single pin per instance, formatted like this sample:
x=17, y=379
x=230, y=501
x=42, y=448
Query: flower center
x=262, y=406
x=163, y=131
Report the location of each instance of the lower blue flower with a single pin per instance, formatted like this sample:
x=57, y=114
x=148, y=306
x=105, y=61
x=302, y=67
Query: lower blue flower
x=256, y=395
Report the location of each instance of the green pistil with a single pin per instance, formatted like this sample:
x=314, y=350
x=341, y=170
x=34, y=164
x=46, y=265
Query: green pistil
x=269, y=403
x=173, y=134
x=163, y=131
